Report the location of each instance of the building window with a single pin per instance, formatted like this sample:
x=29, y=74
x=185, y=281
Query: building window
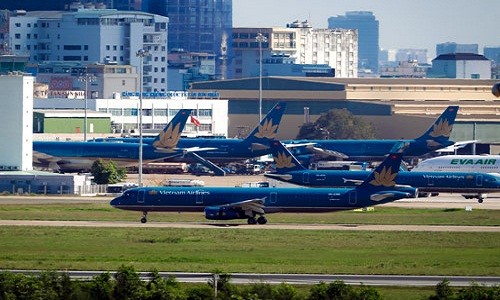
x=160, y=111
x=17, y=36
x=204, y=112
x=130, y=111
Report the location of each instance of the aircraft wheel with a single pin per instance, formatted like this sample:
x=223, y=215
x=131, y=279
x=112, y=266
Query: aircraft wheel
x=143, y=220
x=251, y=221
x=262, y=220
x=480, y=200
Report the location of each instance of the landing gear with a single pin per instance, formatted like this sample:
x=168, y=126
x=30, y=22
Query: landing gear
x=144, y=217
x=260, y=220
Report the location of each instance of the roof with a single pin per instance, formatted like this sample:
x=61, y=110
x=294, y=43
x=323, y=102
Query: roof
x=460, y=56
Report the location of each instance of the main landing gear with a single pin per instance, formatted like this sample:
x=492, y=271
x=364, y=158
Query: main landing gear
x=260, y=220
x=144, y=217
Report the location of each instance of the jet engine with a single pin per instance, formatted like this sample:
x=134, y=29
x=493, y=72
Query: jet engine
x=496, y=89
x=224, y=213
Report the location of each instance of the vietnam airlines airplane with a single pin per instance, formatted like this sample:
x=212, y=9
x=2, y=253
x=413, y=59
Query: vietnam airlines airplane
x=436, y=137
x=227, y=150
x=227, y=203
x=469, y=184
x=461, y=163
x=79, y=156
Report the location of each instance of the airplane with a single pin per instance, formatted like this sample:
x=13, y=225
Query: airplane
x=469, y=184
x=460, y=163
x=436, y=137
x=169, y=146
x=75, y=156
x=229, y=149
x=228, y=203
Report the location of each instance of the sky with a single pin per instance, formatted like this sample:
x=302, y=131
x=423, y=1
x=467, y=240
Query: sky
x=417, y=24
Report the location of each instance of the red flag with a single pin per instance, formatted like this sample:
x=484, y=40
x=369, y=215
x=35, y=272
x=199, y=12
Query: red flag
x=195, y=121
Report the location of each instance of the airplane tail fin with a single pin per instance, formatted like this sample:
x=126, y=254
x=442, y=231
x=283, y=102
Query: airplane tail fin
x=268, y=126
x=170, y=135
x=385, y=173
x=438, y=134
x=284, y=160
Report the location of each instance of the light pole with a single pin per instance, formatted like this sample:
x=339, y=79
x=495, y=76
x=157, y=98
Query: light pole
x=261, y=39
x=86, y=78
x=141, y=53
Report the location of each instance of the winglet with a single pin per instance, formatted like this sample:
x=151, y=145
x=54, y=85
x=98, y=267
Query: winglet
x=438, y=134
x=284, y=160
x=268, y=126
x=169, y=137
x=385, y=173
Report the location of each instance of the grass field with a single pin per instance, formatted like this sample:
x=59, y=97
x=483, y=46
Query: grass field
x=234, y=250
x=269, y=251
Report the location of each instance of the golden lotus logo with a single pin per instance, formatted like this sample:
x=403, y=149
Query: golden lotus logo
x=169, y=138
x=283, y=161
x=152, y=192
x=385, y=178
x=442, y=128
x=267, y=130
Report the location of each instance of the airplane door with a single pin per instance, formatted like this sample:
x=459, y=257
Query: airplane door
x=479, y=180
x=305, y=177
x=353, y=197
x=140, y=196
x=199, y=197
x=273, y=197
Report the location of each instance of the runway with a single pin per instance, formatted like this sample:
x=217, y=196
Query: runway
x=206, y=225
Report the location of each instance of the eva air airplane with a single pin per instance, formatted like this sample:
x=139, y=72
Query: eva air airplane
x=469, y=184
x=227, y=203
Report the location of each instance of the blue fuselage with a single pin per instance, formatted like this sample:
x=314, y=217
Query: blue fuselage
x=276, y=199
x=366, y=149
x=451, y=182
x=80, y=155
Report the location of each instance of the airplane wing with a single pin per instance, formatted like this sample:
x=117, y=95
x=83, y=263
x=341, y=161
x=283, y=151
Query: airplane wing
x=318, y=151
x=256, y=205
x=326, y=152
x=456, y=146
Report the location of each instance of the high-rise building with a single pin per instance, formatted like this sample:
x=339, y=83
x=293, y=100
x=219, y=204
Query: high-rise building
x=94, y=36
x=198, y=26
x=452, y=47
x=300, y=44
x=368, y=36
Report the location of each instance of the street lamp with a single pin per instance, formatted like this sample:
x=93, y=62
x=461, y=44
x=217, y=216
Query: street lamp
x=86, y=78
x=261, y=39
x=141, y=53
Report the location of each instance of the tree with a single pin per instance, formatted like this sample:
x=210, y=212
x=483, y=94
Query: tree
x=337, y=124
x=128, y=284
x=106, y=172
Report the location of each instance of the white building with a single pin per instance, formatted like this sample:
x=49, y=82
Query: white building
x=16, y=113
x=157, y=110
x=303, y=44
x=94, y=36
